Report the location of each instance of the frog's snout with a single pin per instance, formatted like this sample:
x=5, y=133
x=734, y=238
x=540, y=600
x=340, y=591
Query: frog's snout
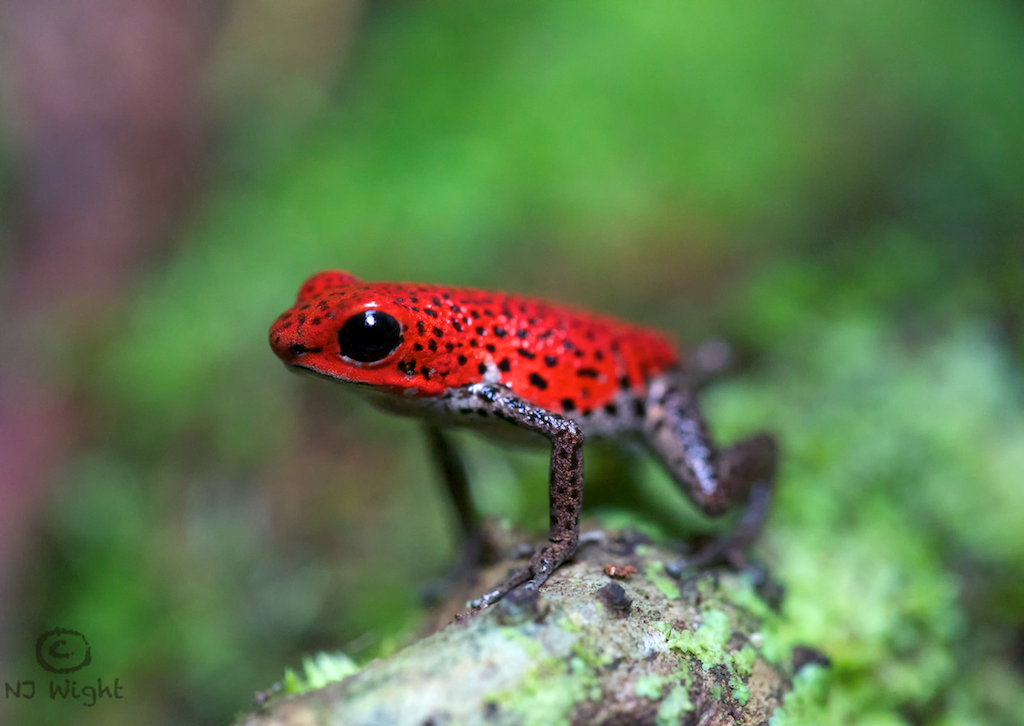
x=289, y=342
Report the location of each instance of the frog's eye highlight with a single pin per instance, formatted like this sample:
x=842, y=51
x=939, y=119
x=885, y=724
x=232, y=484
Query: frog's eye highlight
x=369, y=336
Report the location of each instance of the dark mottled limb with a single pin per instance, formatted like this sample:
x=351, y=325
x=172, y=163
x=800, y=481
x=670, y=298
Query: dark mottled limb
x=449, y=463
x=475, y=549
x=716, y=480
x=566, y=478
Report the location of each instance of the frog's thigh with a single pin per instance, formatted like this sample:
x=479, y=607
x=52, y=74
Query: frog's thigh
x=675, y=430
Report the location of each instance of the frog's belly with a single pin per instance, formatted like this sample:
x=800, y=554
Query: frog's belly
x=438, y=411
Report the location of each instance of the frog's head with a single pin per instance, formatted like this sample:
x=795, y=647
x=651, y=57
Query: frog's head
x=344, y=329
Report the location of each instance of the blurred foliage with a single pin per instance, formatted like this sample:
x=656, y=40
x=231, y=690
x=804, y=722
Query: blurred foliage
x=837, y=188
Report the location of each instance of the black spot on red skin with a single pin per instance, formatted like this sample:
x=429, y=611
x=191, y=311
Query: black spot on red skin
x=538, y=381
x=462, y=360
x=482, y=368
x=624, y=383
x=522, y=333
x=550, y=361
x=490, y=347
x=500, y=331
x=526, y=354
x=417, y=346
x=438, y=332
x=425, y=372
x=480, y=330
x=587, y=373
x=457, y=326
x=421, y=327
x=436, y=301
x=598, y=355
x=449, y=347
x=432, y=345
x=474, y=344
x=504, y=366
x=568, y=405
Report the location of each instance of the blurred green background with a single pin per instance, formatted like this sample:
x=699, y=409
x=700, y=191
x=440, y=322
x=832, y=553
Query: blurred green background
x=837, y=189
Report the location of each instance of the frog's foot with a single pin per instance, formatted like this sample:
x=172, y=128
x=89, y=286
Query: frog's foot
x=535, y=574
x=731, y=547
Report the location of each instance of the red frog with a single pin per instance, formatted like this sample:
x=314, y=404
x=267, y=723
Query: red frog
x=513, y=364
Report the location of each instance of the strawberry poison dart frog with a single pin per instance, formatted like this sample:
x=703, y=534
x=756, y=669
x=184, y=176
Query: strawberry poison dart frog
x=513, y=364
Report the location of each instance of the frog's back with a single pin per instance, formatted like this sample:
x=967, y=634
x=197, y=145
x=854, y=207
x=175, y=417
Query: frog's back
x=570, y=362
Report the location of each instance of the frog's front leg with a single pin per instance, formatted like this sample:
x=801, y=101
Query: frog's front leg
x=715, y=479
x=565, y=484
x=449, y=464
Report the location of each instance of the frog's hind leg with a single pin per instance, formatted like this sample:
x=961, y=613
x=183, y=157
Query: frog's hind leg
x=716, y=480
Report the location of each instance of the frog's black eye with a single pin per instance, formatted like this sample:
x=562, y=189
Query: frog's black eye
x=369, y=336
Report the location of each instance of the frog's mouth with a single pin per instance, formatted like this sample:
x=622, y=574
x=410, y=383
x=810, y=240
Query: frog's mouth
x=301, y=370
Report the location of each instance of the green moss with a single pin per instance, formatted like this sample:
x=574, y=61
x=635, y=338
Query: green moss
x=318, y=671
x=655, y=572
x=804, y=705
x=739, y=590
x=549, y=691
x=676, y=703
x=528, y=644
x=743, y=660
x=569, y=625
x=739, y=689
x=651, y=686
x=588, y=655
x=707, y=643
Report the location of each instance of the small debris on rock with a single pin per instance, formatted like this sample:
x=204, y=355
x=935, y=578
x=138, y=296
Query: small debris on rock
x=623, y=572
x=613, y=597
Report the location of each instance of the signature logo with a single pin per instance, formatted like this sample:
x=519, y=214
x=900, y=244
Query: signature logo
x=63, y=651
